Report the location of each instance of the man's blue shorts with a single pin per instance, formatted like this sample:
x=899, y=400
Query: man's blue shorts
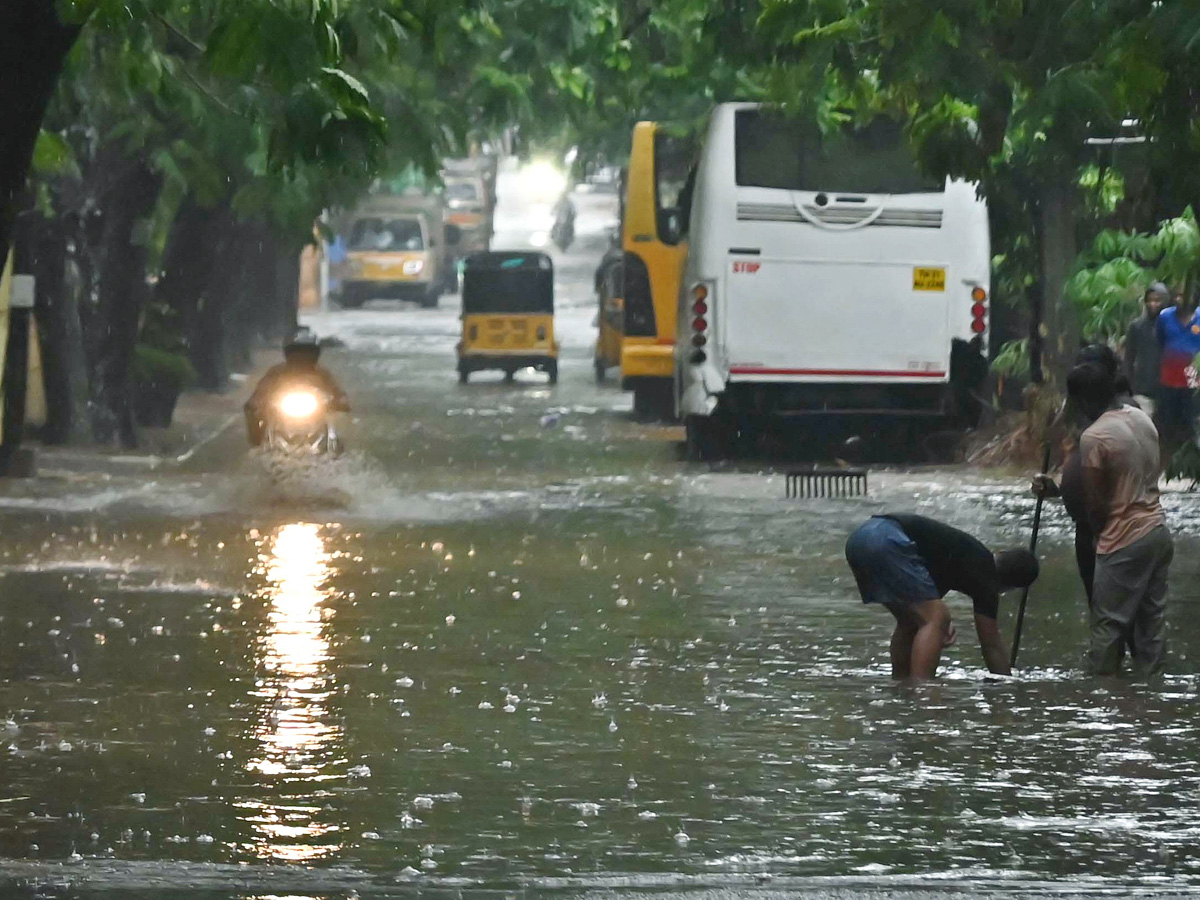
x=887, y=566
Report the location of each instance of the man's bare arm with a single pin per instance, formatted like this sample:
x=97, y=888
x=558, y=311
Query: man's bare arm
x=1097, y=495
x=991, y=642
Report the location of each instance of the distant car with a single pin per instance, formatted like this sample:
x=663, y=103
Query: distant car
x=469, y=211
x=604, y=179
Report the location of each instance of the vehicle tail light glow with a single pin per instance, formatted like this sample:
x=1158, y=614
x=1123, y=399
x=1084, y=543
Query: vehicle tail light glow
x=699, y=322
x=979, y=310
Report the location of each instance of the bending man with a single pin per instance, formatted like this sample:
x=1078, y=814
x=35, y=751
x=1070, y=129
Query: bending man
x=908, y=563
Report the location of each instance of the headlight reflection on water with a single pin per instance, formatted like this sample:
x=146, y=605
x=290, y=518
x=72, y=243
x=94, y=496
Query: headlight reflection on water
x=294, y=733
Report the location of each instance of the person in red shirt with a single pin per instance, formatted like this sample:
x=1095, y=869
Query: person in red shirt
x=1178, y=331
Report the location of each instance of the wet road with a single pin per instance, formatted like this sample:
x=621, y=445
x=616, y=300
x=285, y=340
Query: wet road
x=511, y=640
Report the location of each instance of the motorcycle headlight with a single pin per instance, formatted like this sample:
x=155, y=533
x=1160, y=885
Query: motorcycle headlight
x=413, y=266
x=299, y=404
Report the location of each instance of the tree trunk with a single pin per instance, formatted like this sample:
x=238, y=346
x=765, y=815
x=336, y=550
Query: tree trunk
x=190, y=263
x=41, y=247
x=252, y=299
x=33, y=45
x=287, y=287
x=1056, y=227
x=210, y=352
x=123, y=295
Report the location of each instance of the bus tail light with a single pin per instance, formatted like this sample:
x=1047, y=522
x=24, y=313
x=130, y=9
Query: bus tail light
x=699, y=320
x=979, y=310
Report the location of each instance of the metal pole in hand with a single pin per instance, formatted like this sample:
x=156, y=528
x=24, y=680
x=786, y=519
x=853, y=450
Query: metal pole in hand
x=1037, y=522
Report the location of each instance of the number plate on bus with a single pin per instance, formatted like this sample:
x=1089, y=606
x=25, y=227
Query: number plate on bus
x=929, y=279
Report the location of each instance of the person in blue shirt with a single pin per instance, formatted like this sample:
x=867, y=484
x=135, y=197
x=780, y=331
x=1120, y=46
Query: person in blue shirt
x=1178, y=332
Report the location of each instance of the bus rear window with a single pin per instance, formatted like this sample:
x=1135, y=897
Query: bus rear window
x=789, y=154
x=672, y=161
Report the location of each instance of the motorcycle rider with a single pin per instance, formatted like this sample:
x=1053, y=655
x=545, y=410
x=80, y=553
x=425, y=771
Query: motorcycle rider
x=298, y=369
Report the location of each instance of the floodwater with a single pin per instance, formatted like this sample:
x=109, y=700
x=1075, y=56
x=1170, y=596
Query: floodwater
x=512, y=642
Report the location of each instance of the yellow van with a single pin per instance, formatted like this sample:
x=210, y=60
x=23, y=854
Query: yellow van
x=397, y=247
x=652, y=238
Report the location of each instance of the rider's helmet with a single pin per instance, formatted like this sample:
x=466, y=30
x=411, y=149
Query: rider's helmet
x=302, y=347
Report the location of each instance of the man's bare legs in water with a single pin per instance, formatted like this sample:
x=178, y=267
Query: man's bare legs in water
x=922, y=630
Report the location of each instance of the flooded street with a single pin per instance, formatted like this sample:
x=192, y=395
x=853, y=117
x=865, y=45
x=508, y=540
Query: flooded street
x=511, y=640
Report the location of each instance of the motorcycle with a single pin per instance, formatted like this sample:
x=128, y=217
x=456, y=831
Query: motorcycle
x=298, y=424
x=563, y=231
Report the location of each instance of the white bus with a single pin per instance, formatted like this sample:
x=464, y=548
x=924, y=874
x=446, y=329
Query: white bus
x=825, y=277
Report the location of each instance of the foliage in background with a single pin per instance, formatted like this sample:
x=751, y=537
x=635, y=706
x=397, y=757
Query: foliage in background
x=1012, y=360
x=1185, y=465
x=1115, y=271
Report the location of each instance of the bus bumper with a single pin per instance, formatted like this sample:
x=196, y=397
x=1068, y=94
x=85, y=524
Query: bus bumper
x=646, y=361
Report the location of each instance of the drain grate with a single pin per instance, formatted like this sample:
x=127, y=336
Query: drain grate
x=808, y=483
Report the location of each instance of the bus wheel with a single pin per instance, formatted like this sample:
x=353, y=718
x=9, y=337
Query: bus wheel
x=704, y=439
x=654, y=401
x=552, y=371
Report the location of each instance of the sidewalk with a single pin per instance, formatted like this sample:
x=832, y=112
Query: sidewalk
x=200, y=418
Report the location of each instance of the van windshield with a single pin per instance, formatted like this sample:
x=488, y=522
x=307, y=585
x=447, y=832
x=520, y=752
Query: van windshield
x=464, y=191
x=790, y=154
x=381, y=235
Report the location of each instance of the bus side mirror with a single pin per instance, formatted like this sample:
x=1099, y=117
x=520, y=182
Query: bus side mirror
x=453, y=235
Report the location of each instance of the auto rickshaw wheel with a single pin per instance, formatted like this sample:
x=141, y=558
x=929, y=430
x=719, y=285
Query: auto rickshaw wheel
x=430, y=301
x=509, y=375
x=552, y=371
x=601, y=371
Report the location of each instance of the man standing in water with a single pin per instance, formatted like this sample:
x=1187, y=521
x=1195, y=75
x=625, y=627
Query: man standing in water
x=1142, y=350
x=908, y=563
x=1120, y=457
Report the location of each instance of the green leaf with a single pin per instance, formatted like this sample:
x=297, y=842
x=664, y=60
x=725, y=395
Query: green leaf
x=52, y=156
x=352, y=84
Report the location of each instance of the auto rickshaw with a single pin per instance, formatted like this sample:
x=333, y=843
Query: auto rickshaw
x=610, y=317
x=508, y=314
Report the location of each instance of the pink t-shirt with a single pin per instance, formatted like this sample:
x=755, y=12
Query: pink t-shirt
x=1123, y=445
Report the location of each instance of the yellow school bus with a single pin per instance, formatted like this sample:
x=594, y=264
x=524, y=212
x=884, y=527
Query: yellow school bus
x=652, y=240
